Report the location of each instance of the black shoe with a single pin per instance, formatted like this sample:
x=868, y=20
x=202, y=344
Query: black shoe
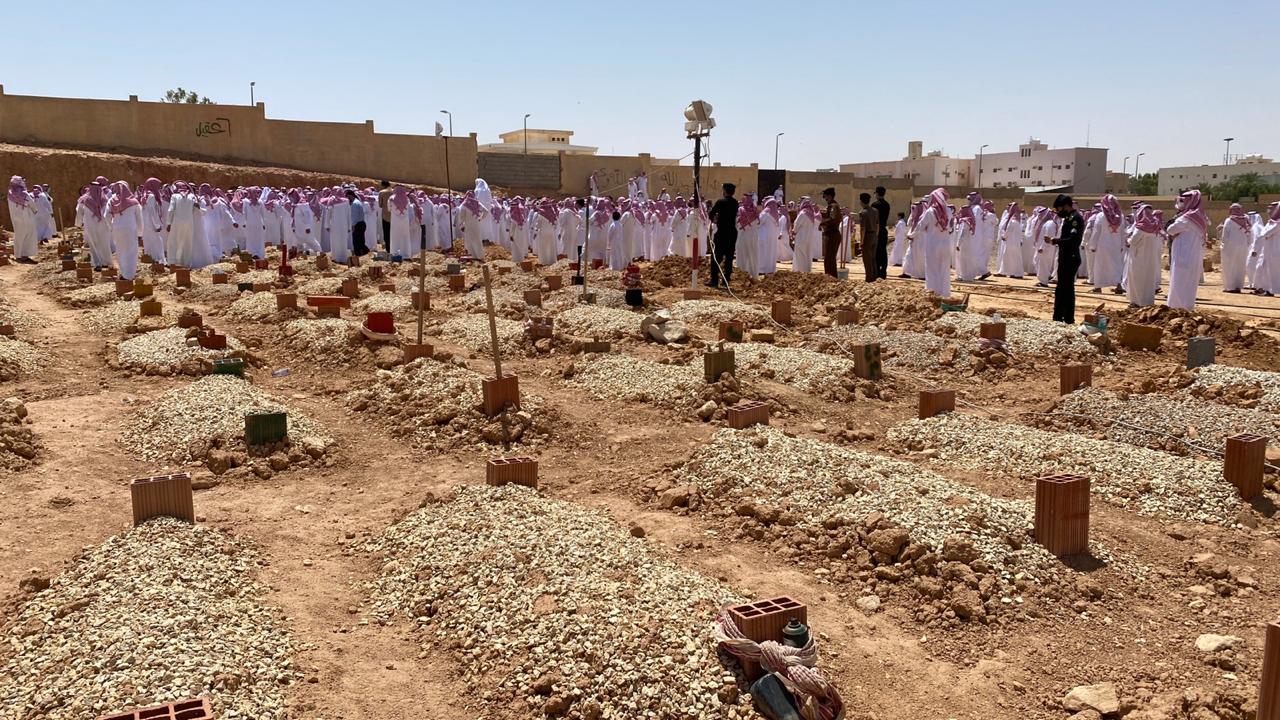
x=1117, y=291
x=1096, y=291
x=1040, y=284
x=984, y=276
x=1233, y=292
x=904, y=275
x=25, y=261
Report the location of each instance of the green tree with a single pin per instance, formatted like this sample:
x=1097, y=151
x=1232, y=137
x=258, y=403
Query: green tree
x=1144, y=184
x=1248, y=185
x=189, y=97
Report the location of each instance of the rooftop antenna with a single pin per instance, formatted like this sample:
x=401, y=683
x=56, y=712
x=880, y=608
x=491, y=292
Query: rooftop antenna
x=1087, y=128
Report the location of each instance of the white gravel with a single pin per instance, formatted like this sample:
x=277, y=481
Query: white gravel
x=593, y=321
x=167, y=348
x=164, y=612
x=98, y=293
x=17, y=358
x=620, y=377
x=712, y=312
x=326, y=341
x=898, y=348
x=1148, y=482
x=254, y=307
x=1027, y=336
x=1211, y=375
x=210, y=408
x=525, y=588
x=472, y=332
x=383, y=302
x=121, y=315
x=806, y=369
x=1202, y=422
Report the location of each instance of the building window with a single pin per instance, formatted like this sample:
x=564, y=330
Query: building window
x=1069, y=165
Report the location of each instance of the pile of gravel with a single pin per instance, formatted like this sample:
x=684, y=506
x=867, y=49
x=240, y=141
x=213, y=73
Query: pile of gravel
x=215, y=295
x=186, y=423
x=1203, y=423
x=326, y=341
x=383, y=302
x=91, y=295
x=472, y=333
x=167, y=351
x=253, y=307
x=506, y=303
x=570, y=615
x=898, y=348
x=1145, y=481
x=18, y=318
x=621, y=377
x=605, y=323
x=1211, y=380
x=439, y=405
x=321, y=286
x=712, y=312
x=122, y=316
x=1026, y=336
x=19, y=448
x=164, y=612
x=571, y=295
x=857, y=517
x=805, y=369
x=17, y=358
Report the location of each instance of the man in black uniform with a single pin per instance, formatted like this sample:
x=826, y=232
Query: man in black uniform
x=725, y=243
x=882, y=248
x=1068, y=242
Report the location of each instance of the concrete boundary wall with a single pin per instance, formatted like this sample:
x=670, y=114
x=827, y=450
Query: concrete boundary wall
x=235, y=134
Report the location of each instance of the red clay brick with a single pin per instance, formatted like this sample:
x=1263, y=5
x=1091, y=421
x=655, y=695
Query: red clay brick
x=746, y=414
x=554, y=282
x=1074, y=377
x=764, y=620
x=381, y=322
x=1245, y=463
x=1062, y=514
x=847, y=316
x=285, y=301
x=220, y=278
x=533, y=297
x=351, y=287
x=781, y=311
x=500, y=392
x=150, y=308
x=168, y=495
x=731, y=330
x=339, y=301
x=421, y=300
x=691, y=294
x=413, y=351
x=518, y=470
x=991, y=331
x=1269, y=687
x=182, y=277
x=458, y=282
x=934, y=402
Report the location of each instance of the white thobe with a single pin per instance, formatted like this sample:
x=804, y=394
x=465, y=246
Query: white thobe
x=1106, y=252
x=153, y=228
x=544, y=239
x=1186, y=263
x=1235, y=250
x=339, y=223
x=255, y=231
x=472, y=227
x=304, y=228
x=126, y=231
x=404, y=230
x=749, y=249
x=180, y=219
x=1267, y=277
x=201, y=252
x=1009, y=258
x=619, y=254
x=44, y=218
x=26, y=238
x=97, y=235
x=936, y=244
x=899, y=251
x=1142, y=267
x=632, y=236
x=808, y=243
x=969, y=261
x=1047, y=253
x=770, y=238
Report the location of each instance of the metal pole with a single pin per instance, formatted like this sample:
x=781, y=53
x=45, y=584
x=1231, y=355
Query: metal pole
x=493, y=324
x=449, y=182
x=422, y=281
x=1124, y=168
x=251, y=102
x=1226, y=160
x=697, y=201
x=1135, y=165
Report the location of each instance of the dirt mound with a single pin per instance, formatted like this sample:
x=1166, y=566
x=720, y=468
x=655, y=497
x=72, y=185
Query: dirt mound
x=1185, y=324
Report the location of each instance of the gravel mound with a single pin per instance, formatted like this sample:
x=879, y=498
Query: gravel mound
x=1144, y=481
x=621, y=377
x=254, y=307
x=605, y=323
x=214, y=295
x=91, y=295
x=18, y=318
x=558, y=607
x=440, y=406
x=1028, y=336
x=1203, y=423
x=163, y=612
x=17, y=358
x=507, y=304
x=712, y=312
x=384, y=302
x=327, y=341
x=190, y=422
x=472, y=332
x=825, y=375
x=19, y=448
x=1212, y=380
x=124, y=316
x=321, y=286
x=166, y=351
x=898, y=348
x=853, y=516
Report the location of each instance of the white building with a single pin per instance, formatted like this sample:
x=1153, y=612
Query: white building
x=1033, y=165
x=538, y=142
x=1173, y=180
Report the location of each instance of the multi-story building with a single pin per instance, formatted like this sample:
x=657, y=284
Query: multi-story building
x=1033, y=165
x=1173, y=180
x=538, y=142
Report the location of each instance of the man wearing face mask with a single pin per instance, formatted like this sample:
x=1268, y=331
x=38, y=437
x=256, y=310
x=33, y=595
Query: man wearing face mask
x=1068, y=242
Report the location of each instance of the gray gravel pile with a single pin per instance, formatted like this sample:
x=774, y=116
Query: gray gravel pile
x=18, y=318
x=712, y=312
x=1212, y=378
x=806, y=369
x=571, y=295
x=592, y=321
x=953, y=553
x=558, y=607
x=326, y=341
x=621, y=377
x=17, y=358
x=1026, y=336
x=1148, y=482
x=1201, y=422
x=321, y=286
x=121, y=316
x=99, y=293
x=203, y=412
x=383, y=302
x=506, y=303
x=440, y=406
x=472, y=332
x=209, y=294
x=898, y=348
x=253, y=307
x=164, y=612
x=165, y=350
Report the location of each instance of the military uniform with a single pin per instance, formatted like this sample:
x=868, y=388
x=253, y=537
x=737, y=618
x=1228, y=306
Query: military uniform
x=1064, y=295
x=831, y=216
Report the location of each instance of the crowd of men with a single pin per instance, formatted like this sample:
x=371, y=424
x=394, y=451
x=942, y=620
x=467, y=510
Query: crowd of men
x=193, y=225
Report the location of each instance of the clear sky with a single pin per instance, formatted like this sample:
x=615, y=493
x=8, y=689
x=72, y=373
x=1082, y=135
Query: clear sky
x=846, y=81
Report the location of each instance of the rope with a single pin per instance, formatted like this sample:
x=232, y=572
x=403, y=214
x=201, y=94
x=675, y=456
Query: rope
x=817, y=697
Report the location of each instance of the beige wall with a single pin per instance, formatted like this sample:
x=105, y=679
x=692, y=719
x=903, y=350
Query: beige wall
x=612, y=172
x=848, y=186
x=235, y=133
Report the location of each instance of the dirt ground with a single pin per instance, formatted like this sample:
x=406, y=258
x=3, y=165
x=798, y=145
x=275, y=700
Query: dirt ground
x=889, y=664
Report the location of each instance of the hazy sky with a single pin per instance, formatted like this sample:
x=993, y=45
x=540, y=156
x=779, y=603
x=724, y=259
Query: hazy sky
x=845, y=81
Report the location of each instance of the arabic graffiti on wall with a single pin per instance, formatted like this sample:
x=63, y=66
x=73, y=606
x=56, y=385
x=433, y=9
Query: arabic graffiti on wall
x=216, y=127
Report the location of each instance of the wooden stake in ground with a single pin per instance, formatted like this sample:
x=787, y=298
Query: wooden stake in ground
x=493, y=323
x=422, y=284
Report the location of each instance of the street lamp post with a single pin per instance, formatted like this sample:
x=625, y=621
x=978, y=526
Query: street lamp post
x=251, y=84
x=1135, y=164
x=776, y=138
x=1124, y=169
x=526, y=133
x=1226, y=159
x=984, y=147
